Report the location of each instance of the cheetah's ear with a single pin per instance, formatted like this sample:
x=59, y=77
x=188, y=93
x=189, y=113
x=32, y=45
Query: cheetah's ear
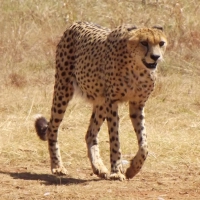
x=158, y=27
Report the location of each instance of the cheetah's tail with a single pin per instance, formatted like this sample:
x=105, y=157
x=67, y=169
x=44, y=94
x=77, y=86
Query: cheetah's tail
x=41, y=126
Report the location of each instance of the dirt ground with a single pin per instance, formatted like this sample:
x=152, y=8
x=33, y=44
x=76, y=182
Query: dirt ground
x=23, y=183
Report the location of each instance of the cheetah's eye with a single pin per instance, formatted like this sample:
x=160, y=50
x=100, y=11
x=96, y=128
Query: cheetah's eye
x=161, y=43
x=144, y=43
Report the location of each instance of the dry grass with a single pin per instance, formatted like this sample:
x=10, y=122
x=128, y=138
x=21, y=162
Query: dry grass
x=29, y=33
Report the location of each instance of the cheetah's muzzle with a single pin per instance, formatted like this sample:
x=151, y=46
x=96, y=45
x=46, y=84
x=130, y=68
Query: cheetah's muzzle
x=149, y=65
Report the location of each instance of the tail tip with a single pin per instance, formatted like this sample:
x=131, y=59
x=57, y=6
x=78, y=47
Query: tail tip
x=41, y=126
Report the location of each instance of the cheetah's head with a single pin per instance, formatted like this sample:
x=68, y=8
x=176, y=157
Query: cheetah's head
x=147, y=45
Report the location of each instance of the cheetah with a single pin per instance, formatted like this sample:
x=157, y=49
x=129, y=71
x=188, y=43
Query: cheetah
x=108, y=67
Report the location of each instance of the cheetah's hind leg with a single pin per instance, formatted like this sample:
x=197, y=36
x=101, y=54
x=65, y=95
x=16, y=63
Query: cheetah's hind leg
x=41, y=126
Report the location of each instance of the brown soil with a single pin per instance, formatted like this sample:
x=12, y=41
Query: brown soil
x=23, y=183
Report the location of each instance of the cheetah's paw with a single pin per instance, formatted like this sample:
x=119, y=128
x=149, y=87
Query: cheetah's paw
x=60, y=171
x=102, y=172
x=131, y=172
x=117, y=176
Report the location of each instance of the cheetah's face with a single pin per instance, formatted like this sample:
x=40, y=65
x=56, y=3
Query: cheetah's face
x=148, y=45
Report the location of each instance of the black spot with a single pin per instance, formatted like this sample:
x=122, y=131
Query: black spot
x=93, y=115
x=56, y=120
x=94, y=142
x=63, y=73
x=109, y=119
x=114, y=151
x=71, y=67
x=134, y=116
x=112, y=139
x=144, y=157
x=114, y=113
x=68, y=39
x=140, y=140
x=141, y=117
x=60, y=111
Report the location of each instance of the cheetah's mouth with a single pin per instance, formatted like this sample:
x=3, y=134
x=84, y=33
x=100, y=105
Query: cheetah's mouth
x=149, y=65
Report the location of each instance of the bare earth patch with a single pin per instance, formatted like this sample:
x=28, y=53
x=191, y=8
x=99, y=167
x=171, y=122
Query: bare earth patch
x=21, y=183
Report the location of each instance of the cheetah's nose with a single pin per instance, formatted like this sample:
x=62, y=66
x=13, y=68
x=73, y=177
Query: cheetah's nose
x=154, y=57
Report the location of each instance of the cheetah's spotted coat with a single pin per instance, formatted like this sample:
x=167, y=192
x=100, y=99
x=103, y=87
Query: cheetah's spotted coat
x=108, y=67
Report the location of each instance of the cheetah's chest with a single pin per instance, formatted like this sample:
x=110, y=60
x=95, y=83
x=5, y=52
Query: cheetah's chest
x=132, y=88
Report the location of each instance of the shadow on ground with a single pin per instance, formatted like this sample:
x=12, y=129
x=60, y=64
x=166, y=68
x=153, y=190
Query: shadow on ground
x=47, y=179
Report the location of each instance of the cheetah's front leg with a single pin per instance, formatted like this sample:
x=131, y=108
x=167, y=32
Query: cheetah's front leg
x=137, y=119
x=97, y=118
x=117, y=172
